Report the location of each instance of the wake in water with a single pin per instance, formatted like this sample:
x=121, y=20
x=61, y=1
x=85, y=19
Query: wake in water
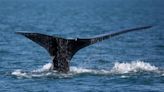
x=118, y=68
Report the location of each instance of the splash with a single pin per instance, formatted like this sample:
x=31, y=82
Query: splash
x=19, y=73
x=134, y=66
x=118, y=68
x=45, y=68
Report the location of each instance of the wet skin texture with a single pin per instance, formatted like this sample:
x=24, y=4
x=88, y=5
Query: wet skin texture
x=62, y=50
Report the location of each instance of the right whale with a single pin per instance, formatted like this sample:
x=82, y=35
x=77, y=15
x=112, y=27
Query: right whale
x=62, y=50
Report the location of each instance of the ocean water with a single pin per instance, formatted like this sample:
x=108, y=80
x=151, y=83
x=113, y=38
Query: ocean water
x=132, y=62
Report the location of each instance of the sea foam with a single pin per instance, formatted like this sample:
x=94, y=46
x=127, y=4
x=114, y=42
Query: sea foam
x=118, y=68
x=133, y=66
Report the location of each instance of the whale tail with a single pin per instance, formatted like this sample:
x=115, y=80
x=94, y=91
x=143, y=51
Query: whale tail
x=62, y=50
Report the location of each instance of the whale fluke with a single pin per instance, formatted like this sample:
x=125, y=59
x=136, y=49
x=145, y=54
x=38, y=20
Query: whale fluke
x=62, y=50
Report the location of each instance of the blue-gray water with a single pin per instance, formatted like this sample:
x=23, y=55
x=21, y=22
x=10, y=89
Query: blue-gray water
x=132, y=62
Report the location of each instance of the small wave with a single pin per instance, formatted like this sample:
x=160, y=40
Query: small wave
x=77, y=70
x=118, y=68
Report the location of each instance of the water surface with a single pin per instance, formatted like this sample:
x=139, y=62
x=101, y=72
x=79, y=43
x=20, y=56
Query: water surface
x=131, y=62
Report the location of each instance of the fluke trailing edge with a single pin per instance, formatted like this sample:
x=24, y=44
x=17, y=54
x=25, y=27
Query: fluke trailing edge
x=62, y=50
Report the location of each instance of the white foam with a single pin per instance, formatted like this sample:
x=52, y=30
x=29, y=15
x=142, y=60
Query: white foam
x=80, y=70
x=43, y=71
x=77, y=70
x=45, y=68
x=19, y=73
x=134, y=66
x=118, y=68
x=123, y=76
